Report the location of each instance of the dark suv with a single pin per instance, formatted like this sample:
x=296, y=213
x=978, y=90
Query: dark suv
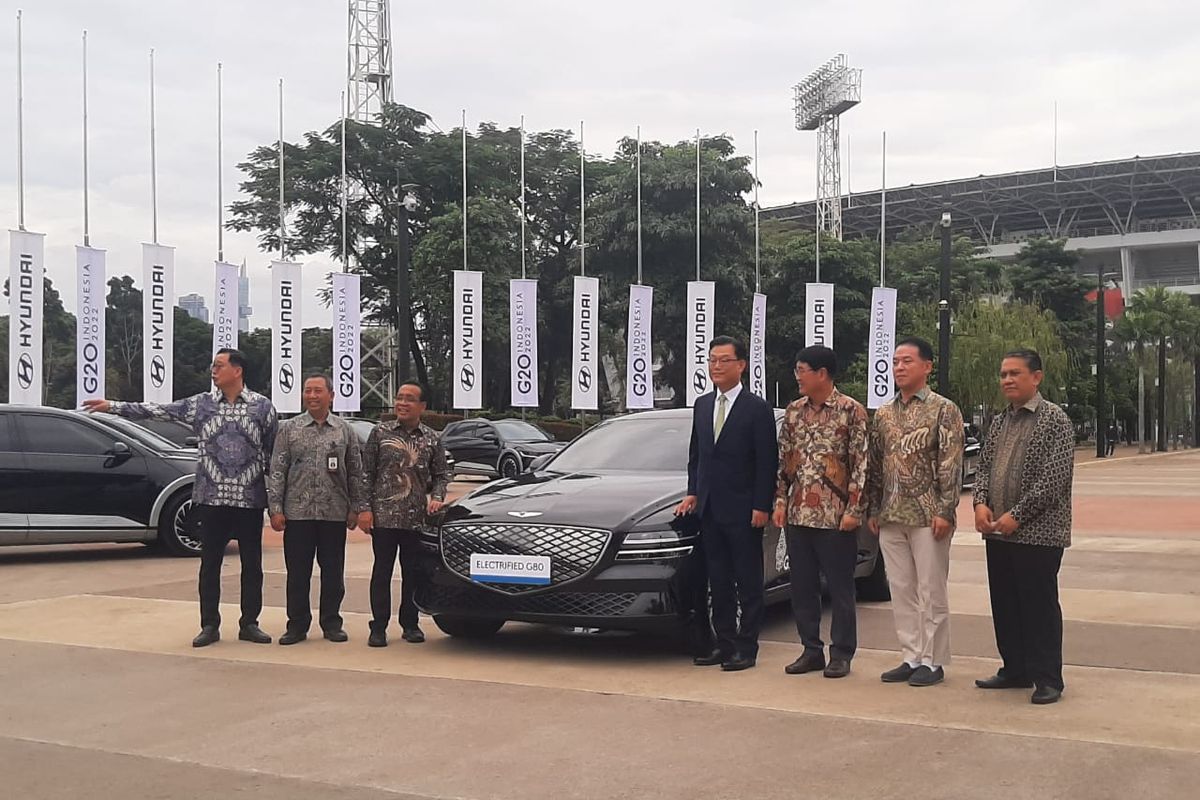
x=502, y=448
x=72, y=478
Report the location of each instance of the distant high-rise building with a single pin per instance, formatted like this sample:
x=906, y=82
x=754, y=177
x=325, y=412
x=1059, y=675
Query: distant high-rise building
x=194, y=305
x=244, y=308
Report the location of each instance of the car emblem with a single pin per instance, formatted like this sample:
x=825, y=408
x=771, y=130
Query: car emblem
x=524, y=514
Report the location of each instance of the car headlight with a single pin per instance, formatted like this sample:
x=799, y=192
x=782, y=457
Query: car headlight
x=640, y=545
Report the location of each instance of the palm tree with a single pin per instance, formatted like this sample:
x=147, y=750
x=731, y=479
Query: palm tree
x=1158, y=317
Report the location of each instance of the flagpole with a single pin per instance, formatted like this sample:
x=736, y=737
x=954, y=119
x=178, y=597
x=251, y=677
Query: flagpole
x=220, y=167
x=639, y=204
x=757, y=274
x=282, y=221
x=883, y=217
x=522, y=195
x=464, y=177
x=582, y=204
x=345, y=263
x=86, y=217
x=697, y=204
x=20, y=131
x=153, y=158
x=817, y=278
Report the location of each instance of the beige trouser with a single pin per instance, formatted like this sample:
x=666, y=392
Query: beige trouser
x=918, y=568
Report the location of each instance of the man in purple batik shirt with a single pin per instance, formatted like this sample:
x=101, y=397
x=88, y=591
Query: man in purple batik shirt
x=236, y=431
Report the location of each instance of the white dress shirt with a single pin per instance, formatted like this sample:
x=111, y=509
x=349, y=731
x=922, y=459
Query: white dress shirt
x=730, y=398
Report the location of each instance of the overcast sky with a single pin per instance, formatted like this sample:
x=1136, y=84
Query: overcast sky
x=962, y=88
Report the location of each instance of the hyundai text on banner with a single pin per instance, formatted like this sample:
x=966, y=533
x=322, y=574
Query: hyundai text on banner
x=585, y=372
x=158, y=323
x=880, y=347
x=225, y=308
x=468, y=339
x=522, y=307
x=639, y=362
x=345, y=342
x=25, y=290
x=818, y=314
x=286, y=300
x=700, y=301
x=89, y=324
x=758, y=346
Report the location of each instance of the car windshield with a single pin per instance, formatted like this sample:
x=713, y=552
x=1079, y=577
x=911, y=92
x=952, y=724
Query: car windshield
x=135, y=431
x=629, y=445
x=514, y=430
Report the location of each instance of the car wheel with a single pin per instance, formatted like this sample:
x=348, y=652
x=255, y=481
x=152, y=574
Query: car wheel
x=509, y=467
x=467, y=627
x=874, y=587
x=176, y=534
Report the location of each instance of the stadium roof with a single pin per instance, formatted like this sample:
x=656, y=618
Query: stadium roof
x=1108, y=197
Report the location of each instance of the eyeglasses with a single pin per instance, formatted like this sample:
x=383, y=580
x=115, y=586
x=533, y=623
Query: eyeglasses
x=803, y=371
x=723, y=360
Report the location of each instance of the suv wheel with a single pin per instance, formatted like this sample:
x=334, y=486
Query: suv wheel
x=874, y=587
x=467, y=627
x=176, y=534
x=509, y=466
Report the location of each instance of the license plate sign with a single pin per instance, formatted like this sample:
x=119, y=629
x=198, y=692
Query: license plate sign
x=528, y=570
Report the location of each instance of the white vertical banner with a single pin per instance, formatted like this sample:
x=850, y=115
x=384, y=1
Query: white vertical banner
x=701, y=296
x=158, y=323
x=89, y=324
x=27, y=266
x=522, y=317
x=286, y=300
x=758, y=346
x=225, y=308
x=468, y=339
x=880, y=347
x=639, y=364
x=346, y=342
x=585, y=395
x=818, y=314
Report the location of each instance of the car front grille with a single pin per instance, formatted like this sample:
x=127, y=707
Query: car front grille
x=573, y=551
x=574, y=604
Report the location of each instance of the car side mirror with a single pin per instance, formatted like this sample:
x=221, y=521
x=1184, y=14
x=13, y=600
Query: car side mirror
x=192, y=441
x=118, y=454
x=539, y=462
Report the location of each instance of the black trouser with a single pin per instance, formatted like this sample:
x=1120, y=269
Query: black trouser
x=812, y=551
x=387, y=542
x=1023, y=582
x=734, y=558
x=326, y=540
x=215, y=526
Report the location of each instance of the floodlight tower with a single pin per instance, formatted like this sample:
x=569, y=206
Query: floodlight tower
x=819, y=101
x=369, y=59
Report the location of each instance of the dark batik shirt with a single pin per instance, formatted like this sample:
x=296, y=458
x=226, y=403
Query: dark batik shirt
x=301, y=486
x=235, y=443
x=404, y=468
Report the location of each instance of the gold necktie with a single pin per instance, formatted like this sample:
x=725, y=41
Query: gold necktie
x=720, y=423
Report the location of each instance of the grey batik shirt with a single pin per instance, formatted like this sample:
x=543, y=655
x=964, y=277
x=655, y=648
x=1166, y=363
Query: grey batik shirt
x=317, y=471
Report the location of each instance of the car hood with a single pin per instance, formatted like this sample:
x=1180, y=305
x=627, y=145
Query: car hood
x=615, y=501
x=538, y=448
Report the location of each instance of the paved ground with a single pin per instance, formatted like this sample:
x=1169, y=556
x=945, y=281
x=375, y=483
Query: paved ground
x=104, y=698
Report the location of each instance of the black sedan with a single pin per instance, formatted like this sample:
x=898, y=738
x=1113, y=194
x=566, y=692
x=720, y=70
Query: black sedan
x=590, y=539
x=502, y=448
x=71, y=478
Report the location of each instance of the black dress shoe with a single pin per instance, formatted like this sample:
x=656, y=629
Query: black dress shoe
x=927, y=676
x=336, y=636
x=1045, y=695
x=838, y=668
x=377, y=639
x=253, y=633
x=292, y=637
x=207, y=636
x=899, y=674
x=413, y=635
x=999, y=681
x=809, y=662
x=738, y=663
x=715, y=658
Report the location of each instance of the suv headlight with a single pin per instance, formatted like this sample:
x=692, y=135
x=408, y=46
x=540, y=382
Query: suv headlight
x=640, y=545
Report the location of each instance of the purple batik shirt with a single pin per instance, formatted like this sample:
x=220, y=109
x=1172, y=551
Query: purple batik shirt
x=235, y=443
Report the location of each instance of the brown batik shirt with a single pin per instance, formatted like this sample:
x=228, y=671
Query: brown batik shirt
x=916, y=461
x=822, y=461
x=404, y=468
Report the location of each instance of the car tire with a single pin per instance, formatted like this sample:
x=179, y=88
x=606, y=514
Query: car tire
x=874, y=587
x=509, y=466
x=176, y=533
x=467, y=627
